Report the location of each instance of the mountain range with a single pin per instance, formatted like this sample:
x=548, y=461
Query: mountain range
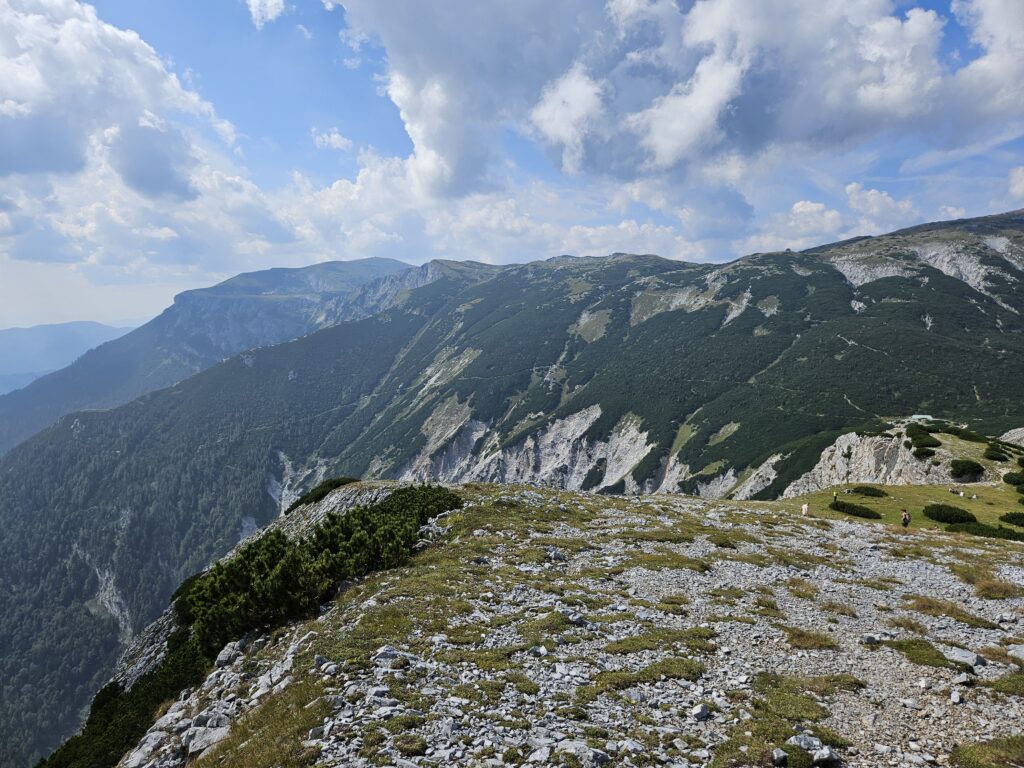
x=624, y=374
x=201, y=328
x=28, y=353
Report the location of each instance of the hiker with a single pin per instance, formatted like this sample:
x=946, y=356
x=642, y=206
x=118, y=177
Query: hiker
x=803, y=509
x=905, y=520
x=835, y=496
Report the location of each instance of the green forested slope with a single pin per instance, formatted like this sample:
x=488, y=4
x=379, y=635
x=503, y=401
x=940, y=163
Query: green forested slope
x=201, y=328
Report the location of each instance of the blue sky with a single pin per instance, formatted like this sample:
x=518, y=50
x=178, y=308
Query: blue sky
x=149, y=147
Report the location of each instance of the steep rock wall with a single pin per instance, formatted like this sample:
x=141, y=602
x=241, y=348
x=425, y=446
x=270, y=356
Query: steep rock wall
x=876, y=459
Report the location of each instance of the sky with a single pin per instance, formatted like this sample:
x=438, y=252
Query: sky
x=151, y=146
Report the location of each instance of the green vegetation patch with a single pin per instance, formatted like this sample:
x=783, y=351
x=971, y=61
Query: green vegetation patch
x=993, y=453
x=275, y=578
x=272, y=735
x=934, y=607
x=666, y=559
x=809, y=640
x=987, y=531
x=781, y=703
x=947, y=513
x=868, y=490
x=998, y=753
x=920, y=651
x=677, y=668
x=1013, y=518
x=966, y=470
x=1011, y=684
x=856, y=510
x=695, y=638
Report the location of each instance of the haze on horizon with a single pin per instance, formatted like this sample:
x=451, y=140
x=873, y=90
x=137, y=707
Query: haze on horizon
x=147, y=148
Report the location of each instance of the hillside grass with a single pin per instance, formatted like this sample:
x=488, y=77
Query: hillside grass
x=994, y=499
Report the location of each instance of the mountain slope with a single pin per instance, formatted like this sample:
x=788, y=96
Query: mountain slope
x=628, y=373
x=28, y=353
x=544, y=627
x=201, y=328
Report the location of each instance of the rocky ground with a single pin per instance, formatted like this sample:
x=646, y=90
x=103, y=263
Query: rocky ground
x=552, y=628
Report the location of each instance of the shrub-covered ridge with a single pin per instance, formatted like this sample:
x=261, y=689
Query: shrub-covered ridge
x=264, y=584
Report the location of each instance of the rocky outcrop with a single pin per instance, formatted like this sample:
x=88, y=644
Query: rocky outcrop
x=759, y=479
x=1015, y=436
x=869, y=459
x=560, y=454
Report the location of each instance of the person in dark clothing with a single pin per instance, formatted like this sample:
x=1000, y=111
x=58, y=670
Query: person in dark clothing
x=905, y=520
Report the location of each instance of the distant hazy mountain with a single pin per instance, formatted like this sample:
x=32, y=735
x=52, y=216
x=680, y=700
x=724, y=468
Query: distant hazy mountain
x=28, y=353
x=201, y=328
x=617, y=374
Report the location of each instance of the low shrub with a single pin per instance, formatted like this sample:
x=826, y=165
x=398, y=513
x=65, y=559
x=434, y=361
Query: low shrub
x=867, y=490
x=923, y=453
x=1014, y=478
x=921, y=437
x=992, y=453
x=276, y=578
x=267, y=582
x=988, y=531
x=1013, y=518
x=946, y=513
x=964, y=468
x=856, y=510
x=1020, y=462
x=318, y=492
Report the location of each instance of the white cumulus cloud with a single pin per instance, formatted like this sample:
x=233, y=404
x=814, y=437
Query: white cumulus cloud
x=263, y=11
x=1017, y=182
x=332, y=139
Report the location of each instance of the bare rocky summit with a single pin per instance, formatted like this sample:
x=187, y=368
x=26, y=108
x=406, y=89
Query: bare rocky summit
x=543, y=627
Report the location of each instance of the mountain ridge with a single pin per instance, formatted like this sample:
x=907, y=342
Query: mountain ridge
x=628, y=374
x=28, y=353
x=200, y=328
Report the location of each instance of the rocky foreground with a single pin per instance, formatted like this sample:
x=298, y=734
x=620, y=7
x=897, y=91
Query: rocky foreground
x=550, y=628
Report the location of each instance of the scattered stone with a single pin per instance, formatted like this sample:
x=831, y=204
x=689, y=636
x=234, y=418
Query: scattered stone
x=700, y=713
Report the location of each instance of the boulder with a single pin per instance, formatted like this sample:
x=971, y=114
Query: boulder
x=700, y=713
x=805, y=742
x=963, y=656
x=198, y=740
x=826, y=756
x=228, y=654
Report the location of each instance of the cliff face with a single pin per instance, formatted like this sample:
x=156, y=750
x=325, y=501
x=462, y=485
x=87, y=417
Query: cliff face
x=873, y=459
